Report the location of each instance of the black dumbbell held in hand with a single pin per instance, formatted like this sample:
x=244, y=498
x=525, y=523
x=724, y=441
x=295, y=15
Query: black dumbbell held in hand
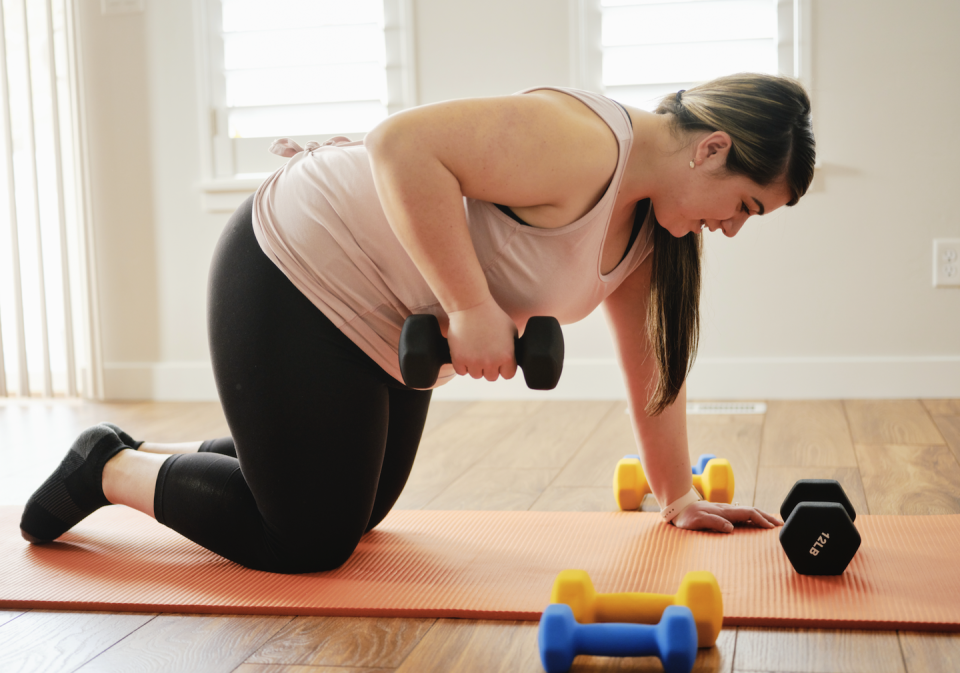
x=818, y=534
x=423, y=350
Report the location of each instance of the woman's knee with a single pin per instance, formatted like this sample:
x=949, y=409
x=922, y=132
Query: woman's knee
x=328, y=553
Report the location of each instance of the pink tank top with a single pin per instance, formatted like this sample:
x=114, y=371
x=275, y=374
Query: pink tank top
x=320, y=220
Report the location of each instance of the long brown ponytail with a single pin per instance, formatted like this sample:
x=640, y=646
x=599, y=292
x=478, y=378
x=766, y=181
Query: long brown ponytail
x=768, y=120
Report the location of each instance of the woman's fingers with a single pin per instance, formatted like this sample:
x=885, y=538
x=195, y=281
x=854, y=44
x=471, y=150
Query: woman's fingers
x=481, y=342
x=738, y=514
x=714, y=522
x=704, y=515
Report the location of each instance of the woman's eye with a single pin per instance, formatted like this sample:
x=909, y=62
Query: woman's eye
x=743, y=208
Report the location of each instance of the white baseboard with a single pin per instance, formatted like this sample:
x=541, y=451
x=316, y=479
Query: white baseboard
x=745, y=378
x=600, y=379
x=159, y=381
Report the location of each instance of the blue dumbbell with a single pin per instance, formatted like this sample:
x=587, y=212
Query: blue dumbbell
x=702, y=462
x=673, y=640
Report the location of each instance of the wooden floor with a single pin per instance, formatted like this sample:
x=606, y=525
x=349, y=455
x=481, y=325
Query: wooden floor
x=893, y=457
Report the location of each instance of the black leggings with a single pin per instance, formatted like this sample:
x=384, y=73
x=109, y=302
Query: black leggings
x=324, y=438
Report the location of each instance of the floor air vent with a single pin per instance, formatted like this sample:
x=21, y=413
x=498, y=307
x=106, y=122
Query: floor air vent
x=726, y=408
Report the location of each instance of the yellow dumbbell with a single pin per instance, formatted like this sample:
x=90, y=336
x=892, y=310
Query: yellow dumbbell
x=630, y=484
x=698, y=591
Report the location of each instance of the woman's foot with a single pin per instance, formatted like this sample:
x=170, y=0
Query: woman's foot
x=74, y=490
x=127, y=439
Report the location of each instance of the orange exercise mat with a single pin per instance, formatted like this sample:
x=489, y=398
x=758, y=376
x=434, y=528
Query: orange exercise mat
x=494, y=565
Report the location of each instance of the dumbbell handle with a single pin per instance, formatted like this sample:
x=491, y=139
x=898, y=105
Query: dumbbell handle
x=423, y=349
x=702, y=462
x=634, y=607
x=616, y=640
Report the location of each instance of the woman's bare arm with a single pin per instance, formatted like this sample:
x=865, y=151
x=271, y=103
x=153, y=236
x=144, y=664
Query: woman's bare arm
x=526, y=151
x=662, y=439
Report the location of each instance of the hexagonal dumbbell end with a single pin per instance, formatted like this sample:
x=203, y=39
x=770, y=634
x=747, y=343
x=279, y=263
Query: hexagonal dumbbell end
x=629, y=483
x=702, y=462
x=716, y=483
x=816, y=490
x=712, y=476
x=818, y=534
x=673, y=640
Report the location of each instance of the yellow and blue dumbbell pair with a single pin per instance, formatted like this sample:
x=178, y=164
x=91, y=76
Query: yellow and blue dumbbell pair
x=628, y=626
x=712, y=476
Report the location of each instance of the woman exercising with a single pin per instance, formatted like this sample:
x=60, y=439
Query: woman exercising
x=483, y=212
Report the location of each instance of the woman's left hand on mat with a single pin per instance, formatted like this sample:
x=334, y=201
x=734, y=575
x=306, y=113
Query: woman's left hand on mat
x=721, y=517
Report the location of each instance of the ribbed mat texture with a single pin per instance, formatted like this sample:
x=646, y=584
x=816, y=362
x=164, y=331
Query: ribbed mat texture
x=494, y=565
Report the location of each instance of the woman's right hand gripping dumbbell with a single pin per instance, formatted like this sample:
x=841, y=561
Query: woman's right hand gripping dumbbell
x=482, y=341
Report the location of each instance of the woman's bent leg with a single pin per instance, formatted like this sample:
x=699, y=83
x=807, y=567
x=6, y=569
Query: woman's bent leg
x=310, y=415
x=408, y=414
x=130, y=478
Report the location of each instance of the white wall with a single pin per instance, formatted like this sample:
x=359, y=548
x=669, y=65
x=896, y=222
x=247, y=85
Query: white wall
x=831, y=298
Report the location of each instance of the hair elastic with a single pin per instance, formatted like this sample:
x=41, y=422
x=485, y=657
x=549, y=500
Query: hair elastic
x=678, y=95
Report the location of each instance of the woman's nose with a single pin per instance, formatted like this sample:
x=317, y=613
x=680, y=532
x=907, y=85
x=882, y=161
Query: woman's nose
x=732, y=226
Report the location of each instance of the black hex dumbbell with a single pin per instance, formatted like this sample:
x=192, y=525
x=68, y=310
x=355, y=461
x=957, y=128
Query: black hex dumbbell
x=818, y=534
x=423, y=350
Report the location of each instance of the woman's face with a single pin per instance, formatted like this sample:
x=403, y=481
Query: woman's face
x=707, y=198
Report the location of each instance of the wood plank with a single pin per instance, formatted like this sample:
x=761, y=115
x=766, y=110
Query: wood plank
x=160, y=421
x=909, y=479
x=500, y=408
x=575, y=499
x=890, y=422
x=45, y=641
x=731, y=436
x=208, y=643
x=719, y=658
x=817, y=651
x=949, y=427
x=9, y=615
x=594, y=462
x=364, y=642
x=549, y=437
x=930, y=652
x=497, y=489
x=283, y=668
x=806, y=433
x=773, y=484
x=735, y=437
x=449, y=451
x=442, y=411
x=943, y=407
x=468, y=646
x=513, y=473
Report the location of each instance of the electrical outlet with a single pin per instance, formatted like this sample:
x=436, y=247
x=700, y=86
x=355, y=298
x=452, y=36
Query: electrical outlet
x=946, y=262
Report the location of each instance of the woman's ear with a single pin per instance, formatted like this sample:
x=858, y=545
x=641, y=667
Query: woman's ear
x=712, y=150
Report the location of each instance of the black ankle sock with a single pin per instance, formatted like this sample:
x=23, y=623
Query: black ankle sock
x=74, y=490
x=127, y=439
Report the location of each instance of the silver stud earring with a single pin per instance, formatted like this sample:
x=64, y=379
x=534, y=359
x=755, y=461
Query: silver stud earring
x=692, y=165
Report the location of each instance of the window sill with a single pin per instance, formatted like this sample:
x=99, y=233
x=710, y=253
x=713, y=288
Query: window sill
x=224, y=195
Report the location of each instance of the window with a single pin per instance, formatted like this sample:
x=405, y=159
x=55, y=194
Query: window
x=649, y=48
x=45, y=335
x=303, y=69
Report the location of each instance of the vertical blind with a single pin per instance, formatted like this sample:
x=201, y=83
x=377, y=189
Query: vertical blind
x=655, y=47
x=40, y=207
x=297, y=67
